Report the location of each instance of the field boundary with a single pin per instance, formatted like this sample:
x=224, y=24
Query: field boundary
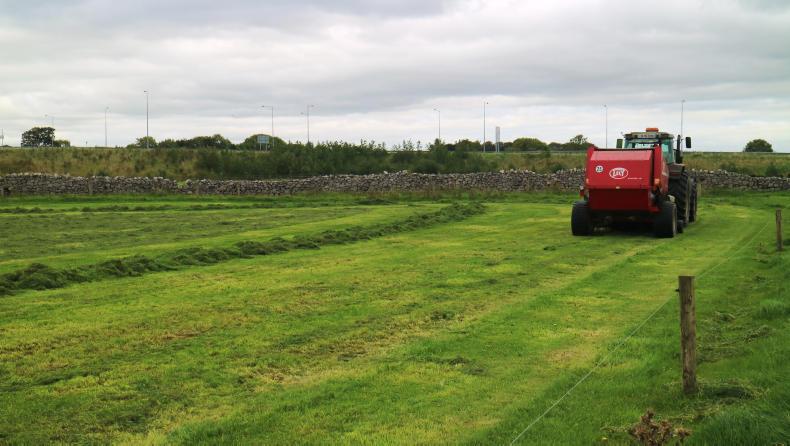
x=503, y=181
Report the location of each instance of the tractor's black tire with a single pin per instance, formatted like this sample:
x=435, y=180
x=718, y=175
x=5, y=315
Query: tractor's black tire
x=680, y=188
x=665, y=224
x=694, y=199
x=581, y=219
x=681, y=225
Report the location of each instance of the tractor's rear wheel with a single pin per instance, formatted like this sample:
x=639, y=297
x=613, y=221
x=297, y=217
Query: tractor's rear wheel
x=665, y=224
x=681, y=189
x=581, y=219
x=694, y=198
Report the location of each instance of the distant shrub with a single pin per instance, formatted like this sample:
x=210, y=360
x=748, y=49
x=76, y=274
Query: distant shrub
x=772, y=171
x=426, y=166
x=758, y=145
x=527, y=144
x=730, y=166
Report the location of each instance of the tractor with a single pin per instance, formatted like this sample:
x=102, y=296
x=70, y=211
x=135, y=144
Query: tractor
x=642, y=180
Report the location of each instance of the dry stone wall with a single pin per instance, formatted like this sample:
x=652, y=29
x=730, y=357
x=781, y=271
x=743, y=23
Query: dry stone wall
x=37, y=184
x=505, y=181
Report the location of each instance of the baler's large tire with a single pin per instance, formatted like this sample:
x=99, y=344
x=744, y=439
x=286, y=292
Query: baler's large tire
x=694, y=199
x=665, y=224
x=681, y=189
x=581, y=219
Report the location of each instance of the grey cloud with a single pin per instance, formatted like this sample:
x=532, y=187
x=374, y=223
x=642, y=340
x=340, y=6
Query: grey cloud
x=356, y=58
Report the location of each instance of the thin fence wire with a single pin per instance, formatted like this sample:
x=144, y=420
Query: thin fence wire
x=629, y=336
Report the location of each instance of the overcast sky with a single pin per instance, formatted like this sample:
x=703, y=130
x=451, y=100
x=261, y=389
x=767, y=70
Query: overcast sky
x=377, y=69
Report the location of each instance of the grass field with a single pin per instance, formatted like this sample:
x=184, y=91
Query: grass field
x=395, y=320
x=182, y=164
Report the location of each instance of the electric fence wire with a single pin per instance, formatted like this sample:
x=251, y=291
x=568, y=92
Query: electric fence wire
x=629, y=336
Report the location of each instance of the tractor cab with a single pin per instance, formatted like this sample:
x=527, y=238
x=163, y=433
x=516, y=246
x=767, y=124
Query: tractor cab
x=652, y=137
x=649, y=139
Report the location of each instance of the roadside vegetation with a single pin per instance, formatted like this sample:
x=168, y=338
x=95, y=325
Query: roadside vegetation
x=295, y=160
x=754, y=164
x=215, y=157
x=396, y=318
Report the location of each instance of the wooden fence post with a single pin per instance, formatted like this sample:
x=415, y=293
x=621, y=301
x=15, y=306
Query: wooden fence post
x=780, y=244
x=688, y=334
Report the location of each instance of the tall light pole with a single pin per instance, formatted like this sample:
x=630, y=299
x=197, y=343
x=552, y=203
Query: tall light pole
x=271, y=143
x=146, y=118
x=106, y=109
x=606, y=126
x=682, y=103
x=484, y=125
x=52, y=118
x=440, y=122
x=308, y=121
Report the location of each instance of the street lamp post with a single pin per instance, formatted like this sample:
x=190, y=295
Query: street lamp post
x=146, y=118
x=440, y=122
x=271, y=143
x=682, y=103
x=308, y=121
x=606, y=126
x=484, y=125
x=106, y=109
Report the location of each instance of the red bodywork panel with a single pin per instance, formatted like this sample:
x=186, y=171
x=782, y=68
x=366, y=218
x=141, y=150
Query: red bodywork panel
x=624, y=180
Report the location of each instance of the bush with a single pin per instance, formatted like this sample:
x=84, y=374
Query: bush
x=527, y=144
x=772, y=171
x=427, y=166
x=758, y=145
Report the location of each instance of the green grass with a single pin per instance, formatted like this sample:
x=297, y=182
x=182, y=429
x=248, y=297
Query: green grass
x=463, y=330
x=38, y=276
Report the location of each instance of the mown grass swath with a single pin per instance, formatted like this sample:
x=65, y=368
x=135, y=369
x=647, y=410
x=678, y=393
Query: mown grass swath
x=40, y=277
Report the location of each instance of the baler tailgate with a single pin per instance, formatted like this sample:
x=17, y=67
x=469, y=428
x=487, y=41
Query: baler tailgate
x=619, y=169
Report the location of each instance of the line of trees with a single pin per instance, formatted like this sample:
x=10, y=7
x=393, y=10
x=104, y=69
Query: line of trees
x=577, y=143
x=45, y=137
